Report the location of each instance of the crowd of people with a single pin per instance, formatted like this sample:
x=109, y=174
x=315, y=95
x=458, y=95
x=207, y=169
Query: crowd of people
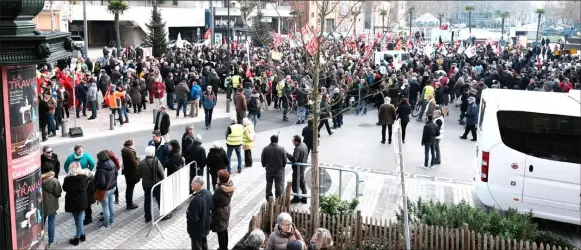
x=191, y=77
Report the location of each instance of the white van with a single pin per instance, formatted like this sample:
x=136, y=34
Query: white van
x=529, y=153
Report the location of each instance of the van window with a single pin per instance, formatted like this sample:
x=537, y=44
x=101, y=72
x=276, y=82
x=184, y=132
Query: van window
x=483, y=104
x=546, y=136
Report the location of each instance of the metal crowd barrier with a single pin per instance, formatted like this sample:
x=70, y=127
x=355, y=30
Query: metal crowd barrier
x=341, y=170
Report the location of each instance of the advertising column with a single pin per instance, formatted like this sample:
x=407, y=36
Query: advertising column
x=22, y=135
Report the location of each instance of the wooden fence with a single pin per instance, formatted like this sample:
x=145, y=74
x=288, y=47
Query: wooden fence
x=362, y=233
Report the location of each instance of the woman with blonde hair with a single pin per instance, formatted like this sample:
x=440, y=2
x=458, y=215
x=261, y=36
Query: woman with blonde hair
x=321, y=240
x=75, y=186
x=248, y=137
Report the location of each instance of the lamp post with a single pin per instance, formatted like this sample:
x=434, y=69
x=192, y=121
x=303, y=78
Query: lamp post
x=228, y=63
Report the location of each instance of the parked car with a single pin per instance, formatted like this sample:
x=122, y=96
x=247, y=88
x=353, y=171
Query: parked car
x=78, y=41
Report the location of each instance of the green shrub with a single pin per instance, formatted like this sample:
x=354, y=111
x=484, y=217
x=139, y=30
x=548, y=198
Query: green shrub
x=552, y=239
x=333, y=205
x=507, y=224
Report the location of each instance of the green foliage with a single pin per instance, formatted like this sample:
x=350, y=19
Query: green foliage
x=117, y=7
x=261, y=33
x=157, y=34
x=551, y=239
x=507, y=224
x=333, y=205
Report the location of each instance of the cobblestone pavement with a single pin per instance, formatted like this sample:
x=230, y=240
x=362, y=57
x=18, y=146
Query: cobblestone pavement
x=380, y=198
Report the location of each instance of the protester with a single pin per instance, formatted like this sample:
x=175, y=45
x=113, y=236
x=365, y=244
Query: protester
x=283, y=232
x=221, y=209
x=106, y=182
x=174, y=161
x=208, y=102
x=273, y=159
x=187, y=139
x=403, y=112
x=130, y=171
x=439, y=120
x=196, y=153
x=300, y=155
x=216, y=161
x=85, y=160
x=51, y=192
x=428, y=140
x=162, y=123
x=75, y=187
x=49, y=156
x=234, y=139
x=248, y=137
x=152, y=173
x=386, y=116
x=321, y=240
x=199, y=215
x=471, y=119
x=160, y=145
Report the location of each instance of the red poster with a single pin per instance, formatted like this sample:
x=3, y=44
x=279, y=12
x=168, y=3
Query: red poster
x=23, y=147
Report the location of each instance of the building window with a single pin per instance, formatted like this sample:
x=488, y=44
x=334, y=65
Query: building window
x=330, y=25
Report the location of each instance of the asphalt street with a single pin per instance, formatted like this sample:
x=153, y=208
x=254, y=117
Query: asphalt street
x=269, y=120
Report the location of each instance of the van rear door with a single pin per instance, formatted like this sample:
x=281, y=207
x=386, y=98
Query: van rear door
x=552, y=144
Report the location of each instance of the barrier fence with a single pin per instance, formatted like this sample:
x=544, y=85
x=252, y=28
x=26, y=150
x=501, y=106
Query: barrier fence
x=174, y=190
x=322, y=177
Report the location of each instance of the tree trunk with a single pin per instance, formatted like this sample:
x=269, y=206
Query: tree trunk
x=51, y=16
x=117, y=34
x=470, y=22
x=538, y=26
x=502, y=30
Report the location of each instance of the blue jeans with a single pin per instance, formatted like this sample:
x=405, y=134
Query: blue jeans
x=362, y=106
x=238, y=155
x=50, y=219
x=254, y=118
x=429, y=149
x=82, y=102
x=93, y=109
x=79, y=217
x=182, y=104
x=108, y=207
x=118, y=110
x=124, y=111
x=301, y=113
x=51, y=124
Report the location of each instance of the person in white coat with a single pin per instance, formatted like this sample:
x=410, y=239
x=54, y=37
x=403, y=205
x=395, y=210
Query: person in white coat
x=439, y=120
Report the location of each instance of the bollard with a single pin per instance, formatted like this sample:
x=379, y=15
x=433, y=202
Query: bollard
x=228, y=106
x=154, y=115
x=64, y=128
x=111, y=121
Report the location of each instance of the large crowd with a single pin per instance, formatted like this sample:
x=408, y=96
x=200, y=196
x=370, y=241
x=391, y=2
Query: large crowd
x=191, y=78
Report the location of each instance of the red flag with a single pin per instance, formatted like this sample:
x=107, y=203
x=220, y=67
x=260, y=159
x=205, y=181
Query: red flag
x=539, y=63
x=207, y=34
x=248, y=72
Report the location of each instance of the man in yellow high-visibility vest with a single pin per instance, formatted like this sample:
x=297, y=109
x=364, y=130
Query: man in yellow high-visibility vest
x=234, y=135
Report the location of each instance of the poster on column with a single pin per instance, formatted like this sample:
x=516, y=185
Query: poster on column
x=23, y=141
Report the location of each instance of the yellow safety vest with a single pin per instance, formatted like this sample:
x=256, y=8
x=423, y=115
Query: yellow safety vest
x=247, y=141
x=279, y=88
x=428, y=91
x=235, y=81
x=235, y=137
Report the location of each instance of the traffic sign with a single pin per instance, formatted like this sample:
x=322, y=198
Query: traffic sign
x=324, y=180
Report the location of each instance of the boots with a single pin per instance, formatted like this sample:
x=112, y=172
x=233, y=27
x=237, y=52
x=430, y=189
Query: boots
x=87, y=221
x=74, y=242
x=83, y=238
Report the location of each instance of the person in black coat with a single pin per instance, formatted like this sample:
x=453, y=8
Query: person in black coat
x=75, y=186
x=49, y=156
x=162, y=122
x=307, y=135
x=221, y=209
x=196, y=153
x=106, y=179
x=199, y=215
x=403, y=112
x=42, y=116
x=81, y=95
x=429, y=134
x=216, y=161
x=174, y=161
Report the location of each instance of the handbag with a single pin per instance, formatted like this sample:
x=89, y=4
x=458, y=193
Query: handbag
x=100, y=194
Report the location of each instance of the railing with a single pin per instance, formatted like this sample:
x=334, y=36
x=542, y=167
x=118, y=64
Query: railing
x=321, y=174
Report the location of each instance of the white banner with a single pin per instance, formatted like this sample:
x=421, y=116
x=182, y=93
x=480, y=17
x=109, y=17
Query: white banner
x=147, y=52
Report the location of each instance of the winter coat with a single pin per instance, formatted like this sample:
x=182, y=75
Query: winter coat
x=187, y=140
x=403, y=113
x=240, y=102
x=51, y=192
x=195, y=152
x=135, y=94
x=307, y=135
x=199, y=215
x=386, y=114
x=75, y=186
x=182, y=91
x=162, y=126
x=216, y=160
x=209, y=100
x=430, y=132
x=51, y=106
x=278, y=240
x=472, y=114
x=80, y=92
x=55, y=163
x=92, y=93
x=151, y=171
x=174, y=162
x=195, y=92
x=130, y=165
x=273, y=159
x=221, y=210
x=161, y=150
x=106, y=175
x=158, y=90
x=42, y=112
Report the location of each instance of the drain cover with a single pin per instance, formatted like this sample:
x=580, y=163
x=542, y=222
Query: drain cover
x=366, y=125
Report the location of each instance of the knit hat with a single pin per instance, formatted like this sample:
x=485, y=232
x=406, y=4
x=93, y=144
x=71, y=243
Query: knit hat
x=294, y=245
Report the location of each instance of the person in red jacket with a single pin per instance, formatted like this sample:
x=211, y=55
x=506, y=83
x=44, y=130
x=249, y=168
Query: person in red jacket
x=158, y=90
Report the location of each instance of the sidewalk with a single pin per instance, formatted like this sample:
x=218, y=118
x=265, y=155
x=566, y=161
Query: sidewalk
x=143, y=121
